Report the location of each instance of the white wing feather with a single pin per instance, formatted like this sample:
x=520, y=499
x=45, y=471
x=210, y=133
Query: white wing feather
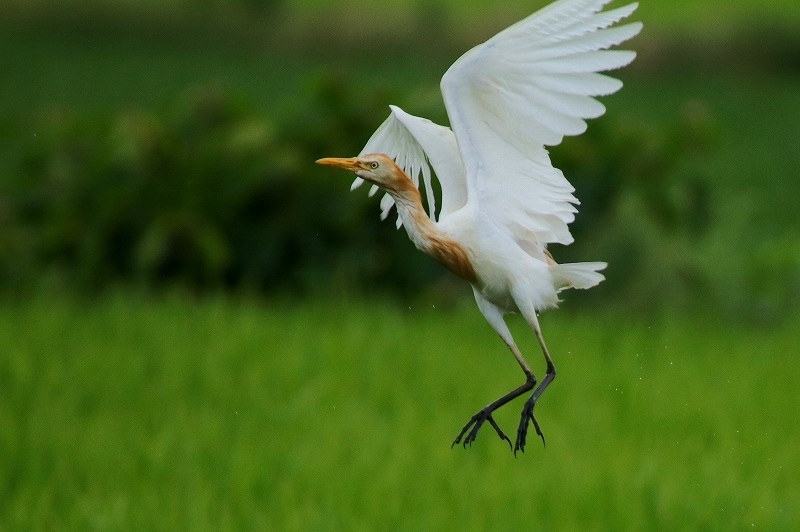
x=417, y=144
x=522, y=90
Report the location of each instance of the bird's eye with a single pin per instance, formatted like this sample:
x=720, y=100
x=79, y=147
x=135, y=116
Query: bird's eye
x=374, y=165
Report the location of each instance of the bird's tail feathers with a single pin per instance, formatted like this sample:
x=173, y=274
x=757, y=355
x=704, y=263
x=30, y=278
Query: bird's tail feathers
x=577, y=275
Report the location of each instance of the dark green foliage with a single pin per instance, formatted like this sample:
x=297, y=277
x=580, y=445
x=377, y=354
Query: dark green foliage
x=618, y=157
x=644, y=205
x=210, y=194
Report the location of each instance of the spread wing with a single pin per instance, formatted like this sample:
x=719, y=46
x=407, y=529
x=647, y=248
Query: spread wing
x=526, y=88
x=417, y=144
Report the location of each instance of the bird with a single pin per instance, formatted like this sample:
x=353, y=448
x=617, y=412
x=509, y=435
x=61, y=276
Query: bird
x=502, y=200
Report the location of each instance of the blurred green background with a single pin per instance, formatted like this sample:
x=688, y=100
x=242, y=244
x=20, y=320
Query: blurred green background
x=199, y=329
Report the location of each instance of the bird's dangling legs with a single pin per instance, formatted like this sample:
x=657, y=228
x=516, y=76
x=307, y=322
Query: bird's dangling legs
x=495, y=319
x=485, y=414
x=527, y=409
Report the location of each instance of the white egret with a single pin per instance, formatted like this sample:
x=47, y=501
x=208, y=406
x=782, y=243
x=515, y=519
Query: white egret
x=502, y=201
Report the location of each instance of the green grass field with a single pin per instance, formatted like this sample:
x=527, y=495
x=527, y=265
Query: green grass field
x=164, y=414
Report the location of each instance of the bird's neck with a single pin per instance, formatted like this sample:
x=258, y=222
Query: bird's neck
x=419, y=226
x=428, y=237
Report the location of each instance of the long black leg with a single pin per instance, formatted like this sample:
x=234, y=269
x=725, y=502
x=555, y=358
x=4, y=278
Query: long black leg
x=527, y=409
x=495, y=318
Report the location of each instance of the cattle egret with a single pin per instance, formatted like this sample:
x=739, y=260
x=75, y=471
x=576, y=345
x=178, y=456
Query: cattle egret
x=502, y=201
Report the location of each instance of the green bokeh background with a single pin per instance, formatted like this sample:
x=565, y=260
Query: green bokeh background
x=199, y=329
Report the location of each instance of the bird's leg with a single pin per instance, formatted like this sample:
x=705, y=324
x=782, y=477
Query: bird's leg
x=495, y=319
x=527, y=409
x=485, y=414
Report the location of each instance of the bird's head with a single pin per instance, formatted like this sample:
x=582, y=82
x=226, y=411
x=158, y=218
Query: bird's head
x=376, y=168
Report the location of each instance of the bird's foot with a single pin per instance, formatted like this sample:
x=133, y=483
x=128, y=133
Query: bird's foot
x=522, y=431
x=474, y=425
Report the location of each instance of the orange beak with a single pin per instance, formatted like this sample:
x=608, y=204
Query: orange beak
x=351, y=164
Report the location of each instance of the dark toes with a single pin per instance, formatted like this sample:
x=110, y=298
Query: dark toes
x=500, y=431
x=522, y=431
x=474, y=425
